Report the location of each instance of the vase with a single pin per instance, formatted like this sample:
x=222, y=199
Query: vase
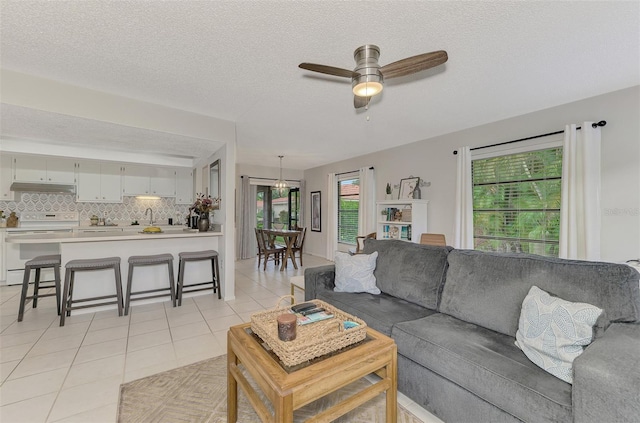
x=203, y=222
x=417, y=193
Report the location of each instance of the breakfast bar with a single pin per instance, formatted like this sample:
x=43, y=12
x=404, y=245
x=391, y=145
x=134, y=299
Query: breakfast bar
x=92, y=245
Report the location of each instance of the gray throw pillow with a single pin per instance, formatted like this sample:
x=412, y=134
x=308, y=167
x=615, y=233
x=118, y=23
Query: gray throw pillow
x=354, y=273
x=552, y=332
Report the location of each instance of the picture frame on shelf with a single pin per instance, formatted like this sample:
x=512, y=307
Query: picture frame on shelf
x=316, y=212
x=407, y=185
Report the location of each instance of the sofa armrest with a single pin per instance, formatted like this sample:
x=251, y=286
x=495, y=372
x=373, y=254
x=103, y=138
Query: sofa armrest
x=606, y=377
x=318, y=278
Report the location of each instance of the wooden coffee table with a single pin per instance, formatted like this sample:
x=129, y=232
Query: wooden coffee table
x=289, y=389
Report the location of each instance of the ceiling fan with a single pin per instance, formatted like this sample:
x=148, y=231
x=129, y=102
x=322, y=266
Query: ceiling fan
x=368, y=77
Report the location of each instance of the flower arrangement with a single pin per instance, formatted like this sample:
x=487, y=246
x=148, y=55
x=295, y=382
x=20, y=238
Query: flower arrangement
x=204, y=204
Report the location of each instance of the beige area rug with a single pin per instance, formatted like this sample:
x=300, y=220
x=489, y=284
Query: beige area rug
x=198, y=393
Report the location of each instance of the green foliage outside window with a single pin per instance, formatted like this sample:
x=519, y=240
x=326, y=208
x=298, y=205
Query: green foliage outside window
x=348, y=205
x=516, y=202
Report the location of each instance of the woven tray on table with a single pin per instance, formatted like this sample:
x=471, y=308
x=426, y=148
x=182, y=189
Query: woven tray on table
x=313, y=339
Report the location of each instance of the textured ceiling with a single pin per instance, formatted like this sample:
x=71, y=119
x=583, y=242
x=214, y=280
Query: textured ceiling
x=237, y=60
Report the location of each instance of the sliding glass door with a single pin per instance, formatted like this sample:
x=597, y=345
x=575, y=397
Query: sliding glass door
x=274, y=209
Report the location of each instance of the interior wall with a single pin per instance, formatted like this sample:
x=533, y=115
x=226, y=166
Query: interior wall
x=225, y=215
x=433, y=161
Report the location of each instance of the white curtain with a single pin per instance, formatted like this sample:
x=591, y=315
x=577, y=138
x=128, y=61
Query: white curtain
x=463, y=230
x=332, y=216
x=367, y=207
x=247, y=247
x=580, y=209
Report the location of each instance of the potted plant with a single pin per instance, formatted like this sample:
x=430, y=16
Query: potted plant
x=203, y=206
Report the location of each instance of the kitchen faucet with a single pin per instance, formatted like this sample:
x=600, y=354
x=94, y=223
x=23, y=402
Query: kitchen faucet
x=149, y=209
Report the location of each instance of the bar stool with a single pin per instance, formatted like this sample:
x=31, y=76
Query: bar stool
x=38, y=263
x=153, y=260
x=83, y=265
x=198, y=256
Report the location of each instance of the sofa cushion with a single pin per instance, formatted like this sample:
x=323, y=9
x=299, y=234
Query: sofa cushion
x=486, y=363
x=380, y=312
x=488, y=288
x=552, y=332
x=409, y=271
x=354, y=273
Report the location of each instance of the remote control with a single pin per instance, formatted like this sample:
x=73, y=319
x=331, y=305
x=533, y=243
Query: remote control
x=311, y=311
x=301, y=307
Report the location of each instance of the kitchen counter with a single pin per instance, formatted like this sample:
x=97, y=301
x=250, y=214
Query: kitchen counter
x=100, y=236
x=124, y=244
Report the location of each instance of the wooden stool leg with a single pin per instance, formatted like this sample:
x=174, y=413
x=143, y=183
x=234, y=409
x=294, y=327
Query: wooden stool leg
x=216, y=280
x=56, y=272
x=67, y=284
x=25, y=289
x=70, y=297
x=129, y=282
x=180, y=281
x=171, y=283
x=36, y=288
x=116, y=269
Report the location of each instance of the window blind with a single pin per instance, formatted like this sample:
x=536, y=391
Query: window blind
x=516, y=202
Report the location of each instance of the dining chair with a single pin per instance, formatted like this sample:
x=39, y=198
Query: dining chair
x=433, y=239
x=297, y=248
x=265, y=250
x=360, y=241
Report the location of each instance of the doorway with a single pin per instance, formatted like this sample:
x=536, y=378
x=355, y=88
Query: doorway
x=273, y=208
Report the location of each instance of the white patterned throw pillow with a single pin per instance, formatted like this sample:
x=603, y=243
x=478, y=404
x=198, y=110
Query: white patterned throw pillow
x=354, y=273
x=552, y=332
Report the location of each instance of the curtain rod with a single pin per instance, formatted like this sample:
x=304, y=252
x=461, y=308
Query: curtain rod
x=593, y=125
x=351, y=171
x=268, y=179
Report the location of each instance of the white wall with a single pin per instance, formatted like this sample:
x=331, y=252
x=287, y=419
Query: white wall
x=433, y=161
x=225, y=215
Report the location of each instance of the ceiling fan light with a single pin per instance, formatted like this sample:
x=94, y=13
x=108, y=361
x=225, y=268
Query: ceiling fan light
x=367, y=89
x=367, y=85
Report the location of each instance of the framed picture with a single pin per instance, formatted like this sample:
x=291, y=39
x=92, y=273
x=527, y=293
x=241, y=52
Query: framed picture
x=407, y=186
x=316, y=221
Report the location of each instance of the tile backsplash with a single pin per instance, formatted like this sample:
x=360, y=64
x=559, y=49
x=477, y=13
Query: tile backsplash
x=130, y=209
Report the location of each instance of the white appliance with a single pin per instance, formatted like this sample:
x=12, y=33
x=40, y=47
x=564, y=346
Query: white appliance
x=33, y=223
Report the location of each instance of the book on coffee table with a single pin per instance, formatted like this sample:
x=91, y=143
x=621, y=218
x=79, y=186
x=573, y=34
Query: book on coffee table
x=315, y=317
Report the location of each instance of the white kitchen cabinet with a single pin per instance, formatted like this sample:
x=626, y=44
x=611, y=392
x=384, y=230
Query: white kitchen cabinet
x=111, y=182
x=136, y=180
x=6, y=177
x=408, y=227
x=147, y=180
x=44, y=169
x=163, y=182
x=184, y=186
x=99, y=182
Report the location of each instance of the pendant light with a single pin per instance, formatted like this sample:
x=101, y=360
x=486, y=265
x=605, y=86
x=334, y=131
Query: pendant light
x=281, y=185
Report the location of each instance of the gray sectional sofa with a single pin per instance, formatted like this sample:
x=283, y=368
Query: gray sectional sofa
x=454, y=316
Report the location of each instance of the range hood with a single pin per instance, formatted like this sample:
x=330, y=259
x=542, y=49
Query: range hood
x=42, y=187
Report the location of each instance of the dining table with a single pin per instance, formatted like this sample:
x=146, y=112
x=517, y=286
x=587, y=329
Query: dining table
x=290, y=236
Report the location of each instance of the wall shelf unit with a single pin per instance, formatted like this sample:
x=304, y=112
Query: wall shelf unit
x=408, y=227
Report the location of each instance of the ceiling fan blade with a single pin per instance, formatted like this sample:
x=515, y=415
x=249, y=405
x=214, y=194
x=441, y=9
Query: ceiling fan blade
x=329, y=70
x=359, y=102
x=414, y=64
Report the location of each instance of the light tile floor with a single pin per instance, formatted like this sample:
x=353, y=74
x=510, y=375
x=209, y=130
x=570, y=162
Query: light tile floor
x=73, y=373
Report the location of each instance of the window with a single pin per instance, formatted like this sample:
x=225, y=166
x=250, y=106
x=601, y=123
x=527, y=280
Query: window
x=294, y=207
x=516, y=202
x=348, y=205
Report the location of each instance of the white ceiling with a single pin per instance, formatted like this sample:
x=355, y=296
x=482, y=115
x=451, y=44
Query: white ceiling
x=238, y=60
